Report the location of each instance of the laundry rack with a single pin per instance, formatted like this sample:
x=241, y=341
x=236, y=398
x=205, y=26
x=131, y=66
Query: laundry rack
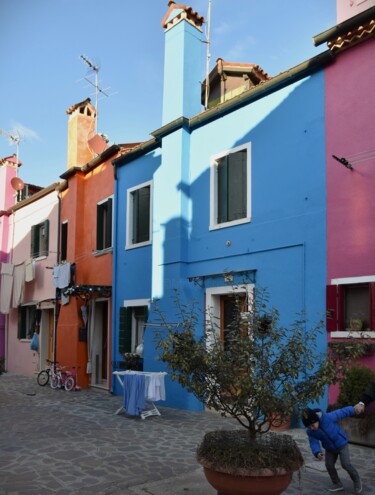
x=153, y=410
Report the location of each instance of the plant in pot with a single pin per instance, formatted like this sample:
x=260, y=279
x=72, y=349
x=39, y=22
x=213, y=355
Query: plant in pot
x=259, y=372
x=360, y=429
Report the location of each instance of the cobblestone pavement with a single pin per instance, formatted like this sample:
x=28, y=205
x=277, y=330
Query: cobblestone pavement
x=70, y=443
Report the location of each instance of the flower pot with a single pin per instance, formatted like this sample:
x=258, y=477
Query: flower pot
x=278, y=424
x=263, y=482
x=236, y=463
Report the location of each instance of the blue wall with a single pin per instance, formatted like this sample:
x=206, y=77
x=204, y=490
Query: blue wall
x=285, y=242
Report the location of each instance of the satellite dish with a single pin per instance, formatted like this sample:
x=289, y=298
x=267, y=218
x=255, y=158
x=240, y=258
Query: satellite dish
x=17, y=184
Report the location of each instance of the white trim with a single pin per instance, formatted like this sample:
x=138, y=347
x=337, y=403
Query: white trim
x=136, y=302
x=129, y=219
x=349, y=334
x=213, y=187
x=213, y=298
x=353, y=280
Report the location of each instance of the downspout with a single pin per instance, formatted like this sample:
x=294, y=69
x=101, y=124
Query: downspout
x=58, y=254
x=114, y=271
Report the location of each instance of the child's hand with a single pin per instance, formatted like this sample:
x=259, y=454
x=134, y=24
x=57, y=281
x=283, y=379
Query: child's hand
x=320, y=456
x=359, y=408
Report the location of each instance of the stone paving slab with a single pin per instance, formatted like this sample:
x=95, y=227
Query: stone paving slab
x=70, y=443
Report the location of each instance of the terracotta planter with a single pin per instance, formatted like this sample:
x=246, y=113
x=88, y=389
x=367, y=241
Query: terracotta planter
x=262, y=483
x=280, y=425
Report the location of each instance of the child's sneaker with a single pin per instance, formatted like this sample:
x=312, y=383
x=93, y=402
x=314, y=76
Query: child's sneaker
x=358, y=486
x=337, y=487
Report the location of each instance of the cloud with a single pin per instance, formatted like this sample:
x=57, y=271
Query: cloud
x=241, y=52
x=23, y=132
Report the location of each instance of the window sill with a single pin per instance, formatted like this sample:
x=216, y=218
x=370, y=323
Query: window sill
x=229, y=224
x=40, y=258
x=356, y=335
x=102, y=251
x=141, y=244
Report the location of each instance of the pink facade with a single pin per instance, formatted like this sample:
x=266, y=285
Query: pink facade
x=33, y=225
x=8, y=170
x=350, y=8
x=350, y=104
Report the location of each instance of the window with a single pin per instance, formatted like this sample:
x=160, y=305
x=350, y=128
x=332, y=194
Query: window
x=132, y=325
x=64, y=241
x=139, y=216
x=28, y=321
x=230, y=187
x=351, y=305
x=104, y=225
x=221, y=304
x=39, y=239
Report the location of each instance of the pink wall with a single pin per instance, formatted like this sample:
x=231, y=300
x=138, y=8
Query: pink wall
x=350, y=8
x=350, y=104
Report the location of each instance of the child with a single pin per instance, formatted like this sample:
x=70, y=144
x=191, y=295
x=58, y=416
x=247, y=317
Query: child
x=323, y=430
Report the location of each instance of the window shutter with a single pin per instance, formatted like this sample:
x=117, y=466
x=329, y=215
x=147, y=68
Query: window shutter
x=108, y=239
x=21, y=322
x=144, y=214
x=335, y=308
x=46, y=238
x=372, y=306
x=34, y=241
x=331, y=308
x=222, y=190
x=125, y=331
x=99, y=227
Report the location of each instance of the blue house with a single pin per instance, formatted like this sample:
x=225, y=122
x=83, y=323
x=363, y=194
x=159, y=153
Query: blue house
x=232, y=195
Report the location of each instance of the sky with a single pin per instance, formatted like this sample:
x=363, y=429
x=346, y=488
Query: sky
x=42, y=73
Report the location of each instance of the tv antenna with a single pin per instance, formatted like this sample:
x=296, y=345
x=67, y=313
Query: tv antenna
x=208, y=56
x=94, y=69
x=14, y=138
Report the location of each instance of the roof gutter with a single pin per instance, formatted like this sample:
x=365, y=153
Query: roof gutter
x=142, y=149
x=103, y=157
x=344, y=27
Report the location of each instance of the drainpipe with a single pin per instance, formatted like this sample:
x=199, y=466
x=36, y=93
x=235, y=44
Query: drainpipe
x=59, y=188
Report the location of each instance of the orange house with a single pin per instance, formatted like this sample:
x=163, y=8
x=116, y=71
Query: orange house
x=83, y=276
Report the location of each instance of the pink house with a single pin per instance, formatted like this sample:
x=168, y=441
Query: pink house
x=28, y=295
x=350, y=159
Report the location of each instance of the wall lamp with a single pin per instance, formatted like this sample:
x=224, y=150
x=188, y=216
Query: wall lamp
x=344, y=161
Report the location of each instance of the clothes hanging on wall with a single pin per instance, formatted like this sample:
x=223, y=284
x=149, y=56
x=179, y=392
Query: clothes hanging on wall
x=18, y=285
x=6, y=287
x=29, y=270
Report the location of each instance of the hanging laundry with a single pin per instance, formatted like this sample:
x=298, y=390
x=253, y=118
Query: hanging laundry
x=18, y=284
x=29, y=270
x=134, y=394
x=56, y=275
x=6, y=287
x=64, y=275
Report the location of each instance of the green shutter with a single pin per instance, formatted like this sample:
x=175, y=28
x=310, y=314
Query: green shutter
x=46, y=238
x=108, y=234
x=34, y=241
x=125, y=330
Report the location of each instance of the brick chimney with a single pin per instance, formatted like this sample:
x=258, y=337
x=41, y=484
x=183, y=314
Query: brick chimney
x=81, y=128
x=182, y=62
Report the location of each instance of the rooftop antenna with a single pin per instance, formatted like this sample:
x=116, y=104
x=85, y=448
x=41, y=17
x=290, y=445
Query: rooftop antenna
x=95, y=69
x=14, y=138
x=208, y=56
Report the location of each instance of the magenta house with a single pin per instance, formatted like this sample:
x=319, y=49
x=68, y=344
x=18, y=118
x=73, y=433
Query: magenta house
x=350, y=161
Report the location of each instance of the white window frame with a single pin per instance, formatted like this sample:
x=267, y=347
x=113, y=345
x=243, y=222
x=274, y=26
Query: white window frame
x=213, y=295
x=109, y=248
x=339, y=334
x=129, y=217
x=214, y=193
x=136, y=303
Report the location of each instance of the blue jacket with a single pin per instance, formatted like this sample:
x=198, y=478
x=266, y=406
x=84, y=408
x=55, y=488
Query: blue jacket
x=329, y=434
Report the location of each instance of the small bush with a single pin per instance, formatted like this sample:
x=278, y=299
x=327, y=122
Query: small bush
x=353, y=384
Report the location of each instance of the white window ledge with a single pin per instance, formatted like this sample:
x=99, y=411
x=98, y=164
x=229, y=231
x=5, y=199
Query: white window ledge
x=355, y=335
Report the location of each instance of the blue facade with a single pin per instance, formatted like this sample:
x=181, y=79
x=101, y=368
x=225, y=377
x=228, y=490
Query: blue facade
x=279, y=245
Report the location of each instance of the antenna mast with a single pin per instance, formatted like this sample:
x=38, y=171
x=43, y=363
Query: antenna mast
x=13, y=138
x=208, y=56
x=95, y=69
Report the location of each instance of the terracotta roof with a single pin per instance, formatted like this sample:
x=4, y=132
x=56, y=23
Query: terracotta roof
x=188, y=13
x=125, y=148
x=11, y=159
x=348, y=32
x=223, y=66
x=77, y=105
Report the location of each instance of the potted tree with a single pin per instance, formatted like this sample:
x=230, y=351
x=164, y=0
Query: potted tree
x=263, y=371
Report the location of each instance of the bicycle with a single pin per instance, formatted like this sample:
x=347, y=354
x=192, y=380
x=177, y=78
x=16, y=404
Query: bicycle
x=63, y=379
x=44, y=375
